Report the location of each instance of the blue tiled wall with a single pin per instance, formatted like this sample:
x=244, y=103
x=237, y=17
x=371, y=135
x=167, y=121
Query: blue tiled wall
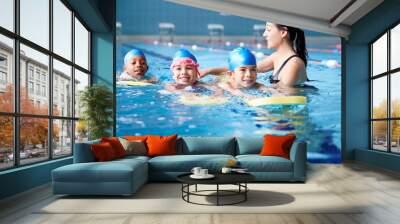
x=357, y=84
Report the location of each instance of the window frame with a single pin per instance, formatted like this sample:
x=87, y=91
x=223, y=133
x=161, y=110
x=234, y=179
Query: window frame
x=16, y=115
x=388, y=74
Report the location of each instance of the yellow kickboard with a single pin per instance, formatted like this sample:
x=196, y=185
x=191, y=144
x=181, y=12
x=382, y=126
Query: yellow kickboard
x=133, y=83
x=277, y=100
x=202, y=100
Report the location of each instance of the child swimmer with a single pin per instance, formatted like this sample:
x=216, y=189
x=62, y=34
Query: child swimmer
x=135, y=67
x=242, y=74
x=185, y=72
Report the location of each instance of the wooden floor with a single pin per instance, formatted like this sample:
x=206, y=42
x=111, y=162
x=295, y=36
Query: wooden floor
x=378, y=189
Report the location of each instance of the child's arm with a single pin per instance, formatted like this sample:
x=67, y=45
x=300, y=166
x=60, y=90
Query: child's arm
x=236, y=92
x=151, y=80
x=217, y=91
x=213, y=71
x=263, y=88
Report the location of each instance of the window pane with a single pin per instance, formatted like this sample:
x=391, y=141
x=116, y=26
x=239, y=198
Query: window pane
x=6, y=142
x=379, y=97
x=6, y=74
x=395, y=47
x=62, y=138
x=395, y=94
x=395, y=138
x=7, y=14
x=81, y=81
x=35, y=21
x=379, y=55
x=379, y=135
x=62, y=89
x=81, y=45
x=81, y=131
x=62, y=29
x=33, y=139
x=34, y=97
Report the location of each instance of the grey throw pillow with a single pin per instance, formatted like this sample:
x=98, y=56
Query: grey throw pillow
x=137, y=148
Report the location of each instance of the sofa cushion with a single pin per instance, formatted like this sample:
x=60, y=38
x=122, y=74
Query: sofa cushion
x=257, y=163
x=116, y=145
x=136, y=138
x=103, y=152
x=136, y=147
x=161, y=145
x=275, y=145
x=112, y=171
x=207, y=145
x=185, y=163
x=249, y=145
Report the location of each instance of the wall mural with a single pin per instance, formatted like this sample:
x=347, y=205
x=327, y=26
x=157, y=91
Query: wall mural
x=214, y=84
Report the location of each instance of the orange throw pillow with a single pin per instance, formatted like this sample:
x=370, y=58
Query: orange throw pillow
x=136, y=138
x=277, y=145
x=161, y=145
x=116, y=145
x=103, y=152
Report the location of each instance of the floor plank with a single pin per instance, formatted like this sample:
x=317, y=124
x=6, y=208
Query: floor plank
x=376, y=190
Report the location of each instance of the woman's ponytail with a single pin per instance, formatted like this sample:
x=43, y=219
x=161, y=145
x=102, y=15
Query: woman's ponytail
x=298, y=40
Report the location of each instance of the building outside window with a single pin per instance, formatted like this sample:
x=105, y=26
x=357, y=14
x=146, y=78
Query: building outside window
x=3, y=72
x=59, y=128
x=384, y=92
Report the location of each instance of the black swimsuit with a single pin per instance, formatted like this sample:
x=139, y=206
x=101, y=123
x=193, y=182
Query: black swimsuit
x=274, y=78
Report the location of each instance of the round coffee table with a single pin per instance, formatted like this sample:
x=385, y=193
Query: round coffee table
x=238, y=179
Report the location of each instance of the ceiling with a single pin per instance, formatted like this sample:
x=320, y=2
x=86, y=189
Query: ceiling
x=326, y=16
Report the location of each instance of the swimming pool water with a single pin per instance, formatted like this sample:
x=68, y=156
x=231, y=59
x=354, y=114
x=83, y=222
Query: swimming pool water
x=145, y=110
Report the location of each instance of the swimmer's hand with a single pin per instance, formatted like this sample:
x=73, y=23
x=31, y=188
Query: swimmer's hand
x=151, y=80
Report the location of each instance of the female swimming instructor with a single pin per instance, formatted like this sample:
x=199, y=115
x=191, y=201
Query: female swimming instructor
x=288, y=62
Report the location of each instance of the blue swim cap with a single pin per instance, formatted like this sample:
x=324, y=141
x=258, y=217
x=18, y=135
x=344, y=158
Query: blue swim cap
x=183, y=53
x=239, y=57
x=132, y=53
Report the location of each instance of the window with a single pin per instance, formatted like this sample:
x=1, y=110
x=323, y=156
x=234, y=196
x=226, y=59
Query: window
x=385, y=94
x=62, y=137
x=44, y=91
x=62, y=29
x=81, y=81
x=62, y=75
x=37, y=75
x=34, y=21
x=7, y=14
x=3, y=61
x=6, y=142
x=81, y=45
x=30, y=87
x=43, y=77
x=37, y=89
x=30, y=72
x=41, y=83
x=6, y=74
x=3, y=78
x=3, y=72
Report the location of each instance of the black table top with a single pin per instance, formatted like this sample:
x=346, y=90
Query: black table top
x=220, y=178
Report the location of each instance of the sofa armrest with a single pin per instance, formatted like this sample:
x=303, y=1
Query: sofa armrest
x=298, y=155
x=83, y=152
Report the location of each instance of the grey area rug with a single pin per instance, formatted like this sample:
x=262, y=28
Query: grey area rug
x=166, y=198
